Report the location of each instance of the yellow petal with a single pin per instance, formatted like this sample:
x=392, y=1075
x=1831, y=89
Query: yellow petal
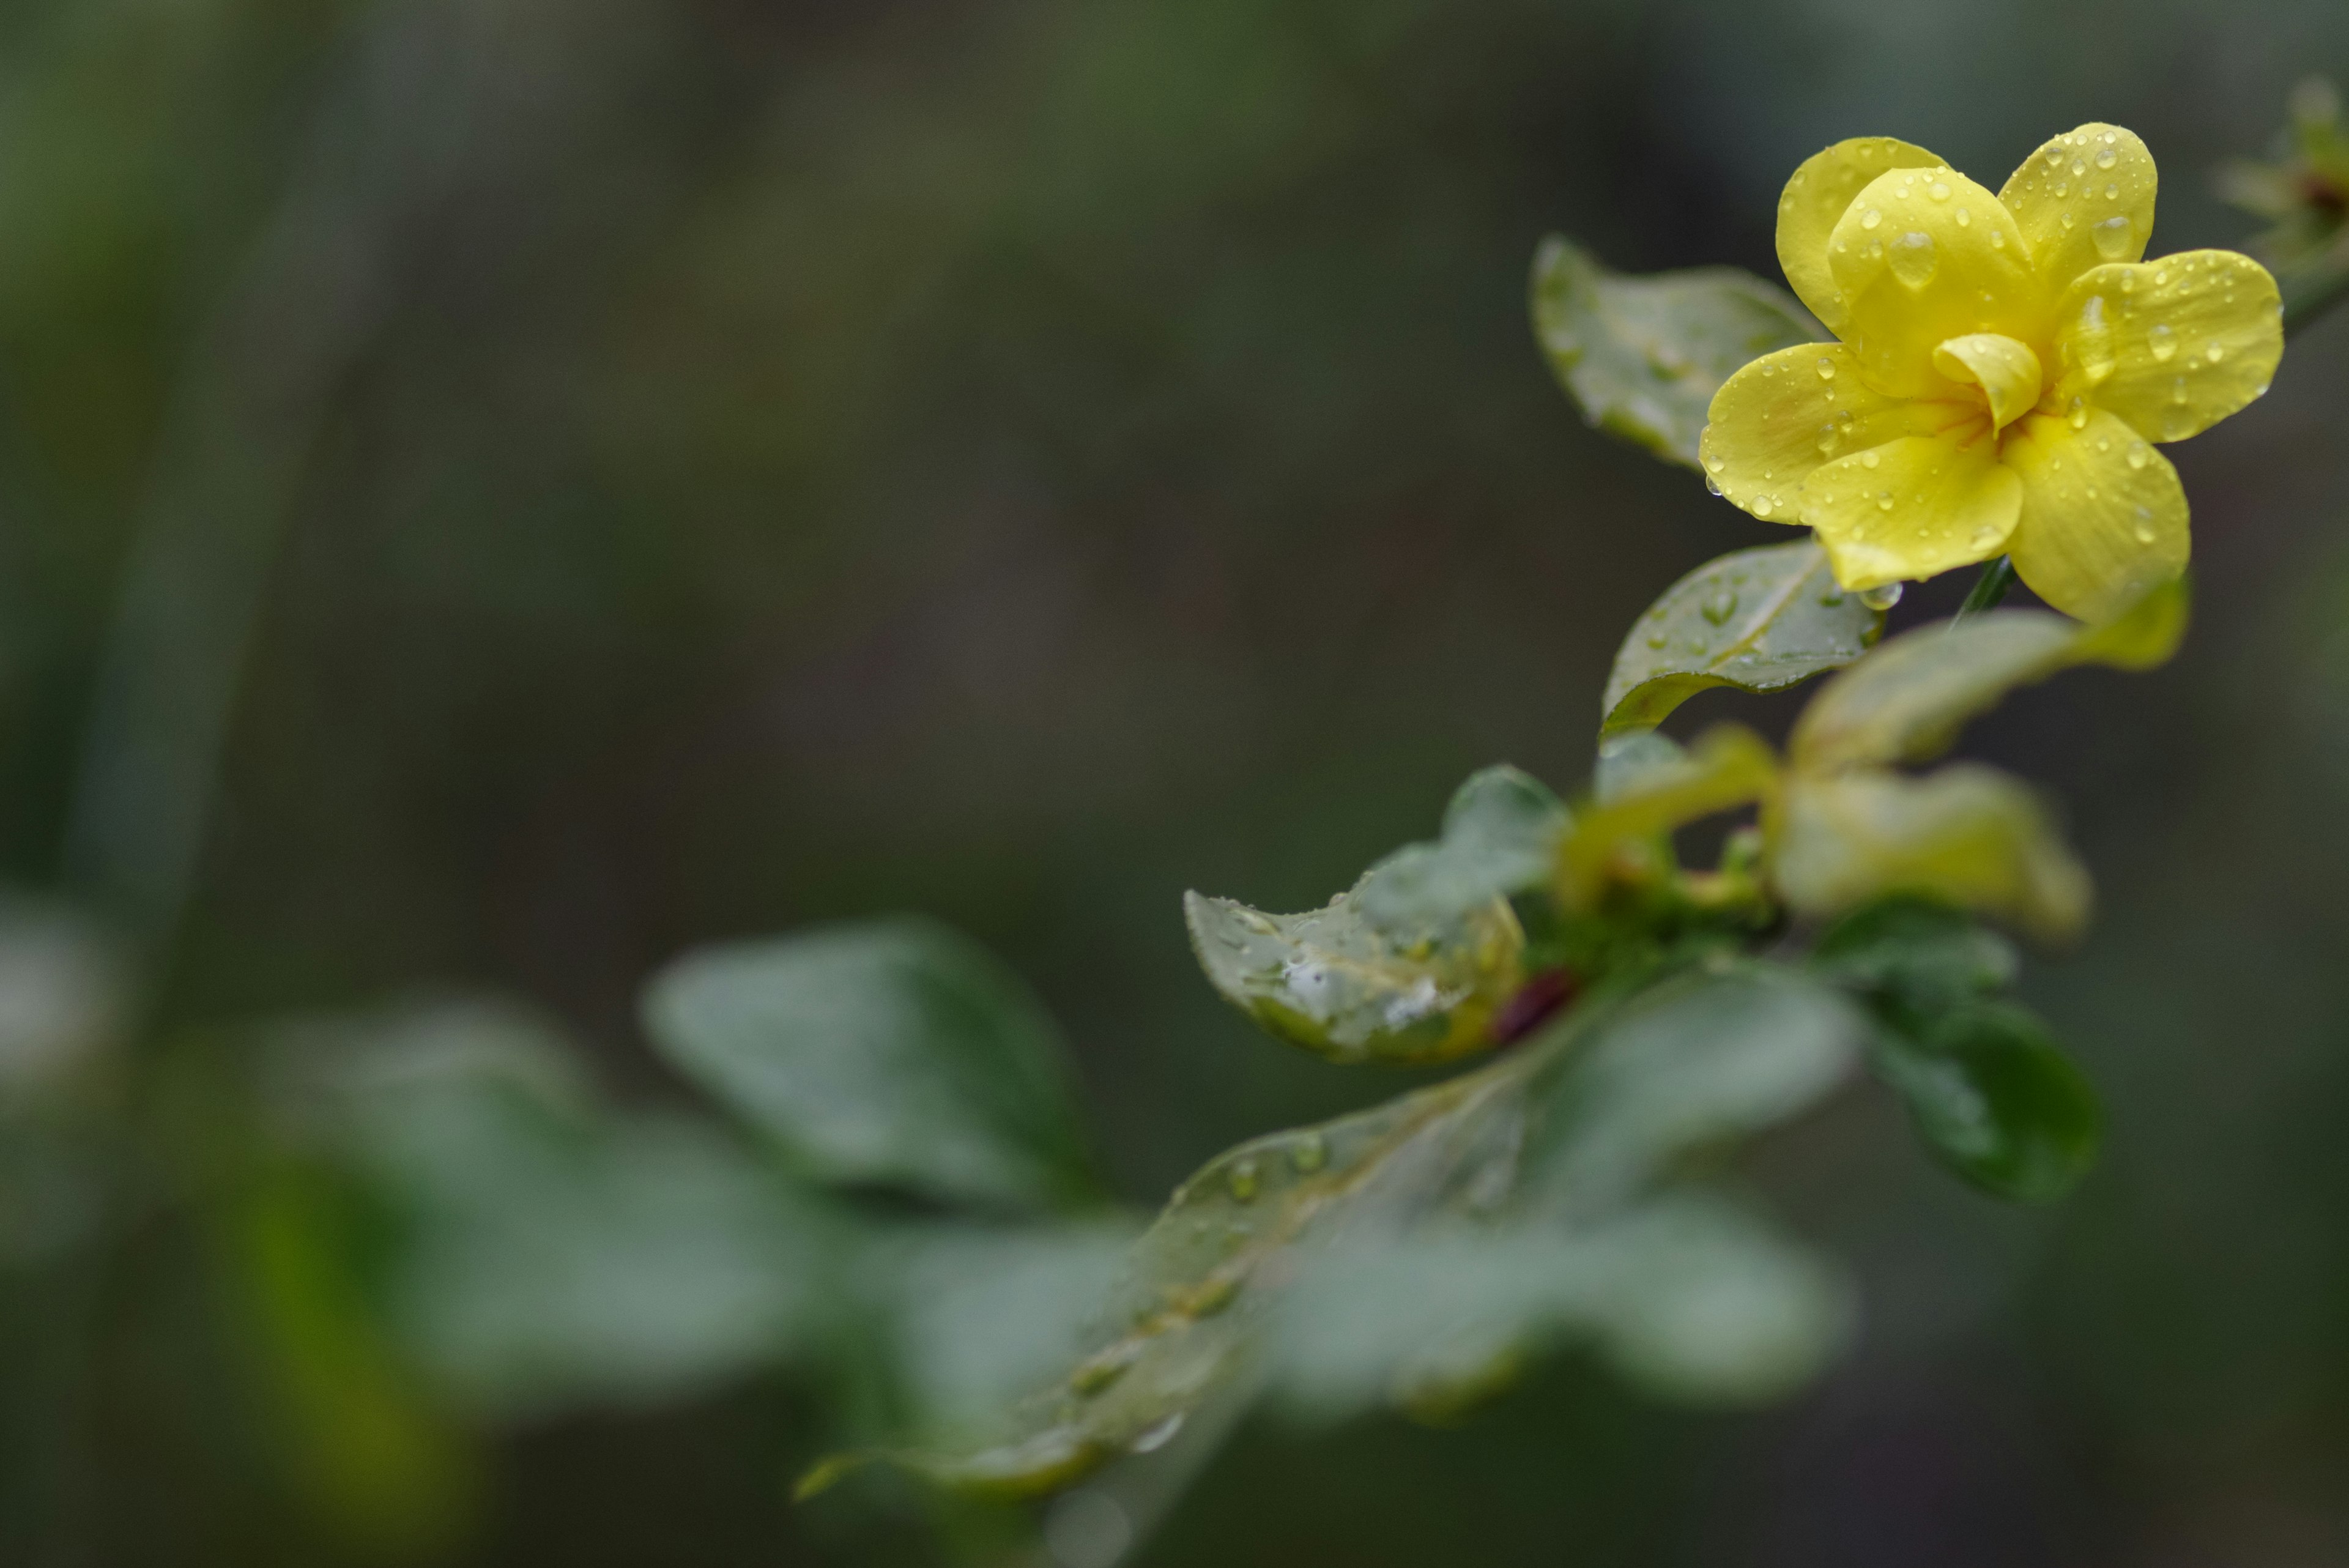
x=2104, y=517
x=1913, y=508
x=2172, y=345
x=2007, y=372
x=2083, y=200
x=1786, y=413
x=1815, y=197
x=1923, y=255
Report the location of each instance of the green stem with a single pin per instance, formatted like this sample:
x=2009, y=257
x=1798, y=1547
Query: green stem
x=1989, y=588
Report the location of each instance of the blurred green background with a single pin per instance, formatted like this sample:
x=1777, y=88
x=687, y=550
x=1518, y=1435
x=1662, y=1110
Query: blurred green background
x=713, y=466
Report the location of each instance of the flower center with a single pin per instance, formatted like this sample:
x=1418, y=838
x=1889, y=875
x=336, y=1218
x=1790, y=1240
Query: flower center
x=2007, y=372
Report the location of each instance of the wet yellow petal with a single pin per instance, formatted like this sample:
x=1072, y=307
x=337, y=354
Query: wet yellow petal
x=1913, y=508
x=2172, y=345
x=2083, y=200
x=1815, y=197
x=1923, y=255
x=2007, y=372
x=2104, y=517
x=1786, y=413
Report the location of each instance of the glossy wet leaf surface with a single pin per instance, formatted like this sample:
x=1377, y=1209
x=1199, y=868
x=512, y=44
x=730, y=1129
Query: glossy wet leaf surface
x=1994, y=1098
x=1642, y=357
x=1760, y=621
x=1570, y=1137
x=1500, y=837
x=892, y=1053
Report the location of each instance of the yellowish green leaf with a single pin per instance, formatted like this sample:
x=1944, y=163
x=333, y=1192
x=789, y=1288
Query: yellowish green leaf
x=1728, y=767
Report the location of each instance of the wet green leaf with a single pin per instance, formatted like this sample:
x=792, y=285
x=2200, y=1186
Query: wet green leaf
x=1500, y=837
x=1688, y=1296
x=1996, y=1099
x=546, y=1253
x=1760, y=621
x=1642, y=357
x=1907, y=701
x=894, y=1054
x=1575, y=1129
x=1967, y=835
x=1728, y=767
x=1342, y=984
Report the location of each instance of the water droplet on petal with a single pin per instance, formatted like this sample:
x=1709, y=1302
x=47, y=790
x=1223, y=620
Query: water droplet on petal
x=1965, y=218
x=1937, y=190
x=1883, y=501
x=2079, y=413
x=1914, y=259
x=1997, y=240
x=2078, y=166
x=2069, y=220
x=2161, y=340
x=2107, y=158
x=2112, y=192
x=2215, y=352
x=1868, y=459
x=2112, y=237
x=2062, y=187
x=2144, y=529
x=1763, y=505
x=1827, y=369
x=1871, y=218
x=1882, y=598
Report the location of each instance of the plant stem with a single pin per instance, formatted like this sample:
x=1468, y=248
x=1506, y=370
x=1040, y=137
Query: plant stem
x=1989, y=588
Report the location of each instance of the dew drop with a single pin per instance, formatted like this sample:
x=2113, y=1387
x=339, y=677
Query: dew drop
x=1715, y=464
x=1719, y=607
x=2107, y=158
x=2215, y=352
x=1868, y=459
x=2079, y=413
x=2161, y=340
x=1965, y=218
x=1914, y=258
x=1158, y=1437
x=2063, y=188
x=2069, y=220
x=2078, y=166
x=2112, y=237
x=1883, y=501
x=1871, y=218
x=1309, y=1153
x=2103, y=443
x=1997, y=240
x=2161, y=279
x=1827, y=369
x=1937, y=190
x=2112, y=192
x=1882, y=598
x=1763, y=505
x=2144, y=529
x=1243, y=1180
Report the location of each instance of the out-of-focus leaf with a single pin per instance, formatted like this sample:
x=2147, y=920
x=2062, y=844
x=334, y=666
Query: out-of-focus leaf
x=1576, y=1126
x=1642, y=357
x=1760, y=621
x=1916, y=957
x=1626, y=760
x=1342, y=985
x=1688, y=1296
x=1907, y=701
x=1996, y=1099
x=370, y=1451
x=895, y=1053
x=1968, y=835
x=64, y=998
x=1500, y=837
x=1728, y=767
x=546, y=1254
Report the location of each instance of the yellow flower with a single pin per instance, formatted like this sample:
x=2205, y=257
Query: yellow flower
x=2006, y=364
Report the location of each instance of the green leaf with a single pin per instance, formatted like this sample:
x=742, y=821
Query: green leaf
x=1996, y=1099
x=65, y=997
x=1689, y=1297
x=891, y=1054
x=1575, y=1128
x=1907, y=701
x=1967, y=835
x=1500, y=837
x=1343, y=985
x=1728, y=767
x=1760, y=621
x=1642, y=357
x=546, y=1254
x=1914, y=956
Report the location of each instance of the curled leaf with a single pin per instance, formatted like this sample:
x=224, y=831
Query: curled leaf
x=1968, y=836
x=1728, y=767
x=1642, y=357
x=1500, y=833
x=1760, y=621
x=1907, y=701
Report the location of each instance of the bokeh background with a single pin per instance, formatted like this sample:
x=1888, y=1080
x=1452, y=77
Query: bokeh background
x=714, y=466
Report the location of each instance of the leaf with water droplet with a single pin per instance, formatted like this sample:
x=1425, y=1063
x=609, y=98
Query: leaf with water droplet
x=1642, y=357
x=1576, y=1138
x=1784, y=624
